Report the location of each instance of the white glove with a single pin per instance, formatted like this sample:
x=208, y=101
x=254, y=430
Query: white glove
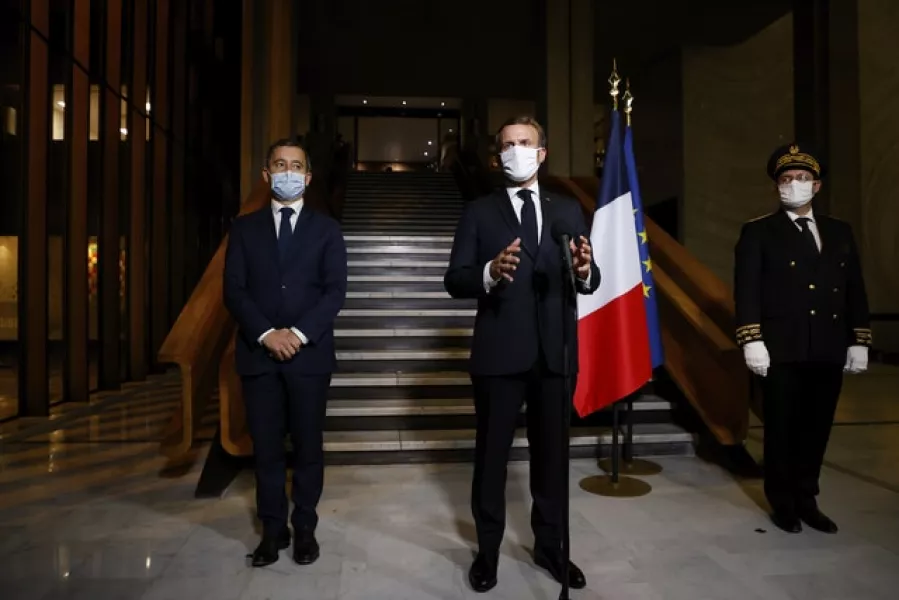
x=757, y=358
x=856, y=359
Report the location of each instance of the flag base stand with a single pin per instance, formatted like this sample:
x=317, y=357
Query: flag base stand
x=637, y=467
x=613, y=484
x=629, y=465
x=624, y=487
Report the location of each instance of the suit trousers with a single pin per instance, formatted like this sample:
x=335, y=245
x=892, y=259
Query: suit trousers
x=498, y=402
x=278, y=403
x=800, y=400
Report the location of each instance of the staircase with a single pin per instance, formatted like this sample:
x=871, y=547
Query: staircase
x=402, y=391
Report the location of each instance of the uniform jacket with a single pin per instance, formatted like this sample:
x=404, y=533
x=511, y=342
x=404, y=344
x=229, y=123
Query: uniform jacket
x=806, y=306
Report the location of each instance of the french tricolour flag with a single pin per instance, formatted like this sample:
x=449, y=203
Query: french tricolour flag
x=615, y=342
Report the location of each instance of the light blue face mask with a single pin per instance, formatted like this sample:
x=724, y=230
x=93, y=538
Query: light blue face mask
x=288, y=186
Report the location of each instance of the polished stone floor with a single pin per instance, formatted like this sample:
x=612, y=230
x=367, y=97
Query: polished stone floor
x=91, y=511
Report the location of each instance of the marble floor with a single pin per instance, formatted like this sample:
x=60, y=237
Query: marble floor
x=92, y=511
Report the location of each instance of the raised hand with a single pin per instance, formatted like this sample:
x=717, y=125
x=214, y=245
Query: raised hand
x=583, y=257
x=506, y=261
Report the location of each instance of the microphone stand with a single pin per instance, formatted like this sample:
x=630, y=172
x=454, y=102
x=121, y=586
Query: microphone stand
x=569, y=291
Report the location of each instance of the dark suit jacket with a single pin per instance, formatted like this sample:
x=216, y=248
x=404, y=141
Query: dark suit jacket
x=805, y=306
x=306, y=291
x=518, y=319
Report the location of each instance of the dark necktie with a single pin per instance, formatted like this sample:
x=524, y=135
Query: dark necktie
x=285, y=231
x=528, y=221
x=807, y=234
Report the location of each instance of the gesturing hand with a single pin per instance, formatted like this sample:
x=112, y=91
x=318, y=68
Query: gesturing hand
x=506, y=261
x=282, y=344
x=583, y=257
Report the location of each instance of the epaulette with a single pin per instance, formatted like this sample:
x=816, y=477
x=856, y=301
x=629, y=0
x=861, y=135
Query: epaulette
x=760, y=217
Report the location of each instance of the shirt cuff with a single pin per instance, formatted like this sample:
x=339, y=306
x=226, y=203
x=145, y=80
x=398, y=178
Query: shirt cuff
x=489, y=282
x=262, y=337
x=586, y=281
x=300, y=335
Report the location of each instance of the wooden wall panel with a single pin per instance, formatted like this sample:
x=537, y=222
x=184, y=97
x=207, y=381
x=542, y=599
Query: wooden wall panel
x=34, y=399
x=159, y=247
x=138, y=363
x=110, y=322
x=179, y=134
x=77, y=114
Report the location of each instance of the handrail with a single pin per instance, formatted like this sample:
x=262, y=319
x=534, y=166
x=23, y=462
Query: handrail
x=695, y=310
x=234, y=434
x=196, y=342
x=200, y=339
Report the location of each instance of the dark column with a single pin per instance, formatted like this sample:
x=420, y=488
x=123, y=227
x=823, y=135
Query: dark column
x=159, y=247
x=110, y=327
x=844, y=181
x=179, y=109
x=77, y=112
x=33, y=302
x=811, y=78
x=137, y=237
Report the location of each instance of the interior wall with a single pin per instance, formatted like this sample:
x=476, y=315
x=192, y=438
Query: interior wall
x=878, y=230
x=737, y=107
x=398, y=139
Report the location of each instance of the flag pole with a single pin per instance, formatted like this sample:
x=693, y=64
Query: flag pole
x=612, y=484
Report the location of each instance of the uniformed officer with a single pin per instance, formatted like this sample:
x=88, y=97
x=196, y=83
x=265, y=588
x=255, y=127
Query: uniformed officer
x=802, y=321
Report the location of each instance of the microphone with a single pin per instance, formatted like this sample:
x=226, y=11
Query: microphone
x=560, y=232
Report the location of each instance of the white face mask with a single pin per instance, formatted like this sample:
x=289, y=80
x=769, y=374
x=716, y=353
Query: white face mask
x=520, y=163
x=796, y=193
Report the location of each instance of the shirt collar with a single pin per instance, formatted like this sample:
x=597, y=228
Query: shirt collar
x=794, y=215
x=296, y=205
x=513, y=191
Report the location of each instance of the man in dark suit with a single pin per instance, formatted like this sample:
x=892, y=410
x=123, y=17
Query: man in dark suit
x=285, y=281
x=802, y=321
x=505, y=256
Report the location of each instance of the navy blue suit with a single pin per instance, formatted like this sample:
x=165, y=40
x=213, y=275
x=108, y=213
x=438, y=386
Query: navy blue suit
x=305, y=289
x=516, y=355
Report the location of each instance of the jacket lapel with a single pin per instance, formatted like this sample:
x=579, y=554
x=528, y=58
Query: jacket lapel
x=300, y=230
x=266, y=225
x=504, y=205
x=547, y=244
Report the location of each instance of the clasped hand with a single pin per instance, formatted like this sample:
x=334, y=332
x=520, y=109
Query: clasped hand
x=282, y=344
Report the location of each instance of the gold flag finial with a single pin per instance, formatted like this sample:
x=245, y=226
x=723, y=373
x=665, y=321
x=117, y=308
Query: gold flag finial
x=614, y=80
x=628, y=101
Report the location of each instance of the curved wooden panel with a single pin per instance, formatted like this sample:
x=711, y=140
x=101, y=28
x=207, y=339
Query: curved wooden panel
x=196, y=343
x=696, y=313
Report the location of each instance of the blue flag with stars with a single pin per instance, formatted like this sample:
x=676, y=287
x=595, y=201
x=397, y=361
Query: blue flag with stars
x=649, y=289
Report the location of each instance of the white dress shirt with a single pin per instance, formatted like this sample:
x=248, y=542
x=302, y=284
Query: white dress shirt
x=517, y=204
x=812, y=225
x=297, y=206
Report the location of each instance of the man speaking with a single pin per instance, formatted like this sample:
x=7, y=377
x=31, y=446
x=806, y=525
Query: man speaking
x=505, y=254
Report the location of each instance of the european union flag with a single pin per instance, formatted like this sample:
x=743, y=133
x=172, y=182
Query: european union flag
x=649, y=289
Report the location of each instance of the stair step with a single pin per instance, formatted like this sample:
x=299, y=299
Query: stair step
x=412, y=407
x=398, y=295
x=448, y=239
x=407, y=312
x=397, y=250
x=398, y=262
x=451, y=378
x=464, y=439
x=403, y=332
x=391, y=279
x=429, y=355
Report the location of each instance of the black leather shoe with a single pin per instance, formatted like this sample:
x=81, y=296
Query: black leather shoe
x=305, y=548
x=553, y=562
x=816, y=519
x=482, y=575
x=786, y=521
x=266, y=552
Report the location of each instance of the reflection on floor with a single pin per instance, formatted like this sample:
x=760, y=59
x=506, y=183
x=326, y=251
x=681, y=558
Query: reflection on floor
x=92, y=511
